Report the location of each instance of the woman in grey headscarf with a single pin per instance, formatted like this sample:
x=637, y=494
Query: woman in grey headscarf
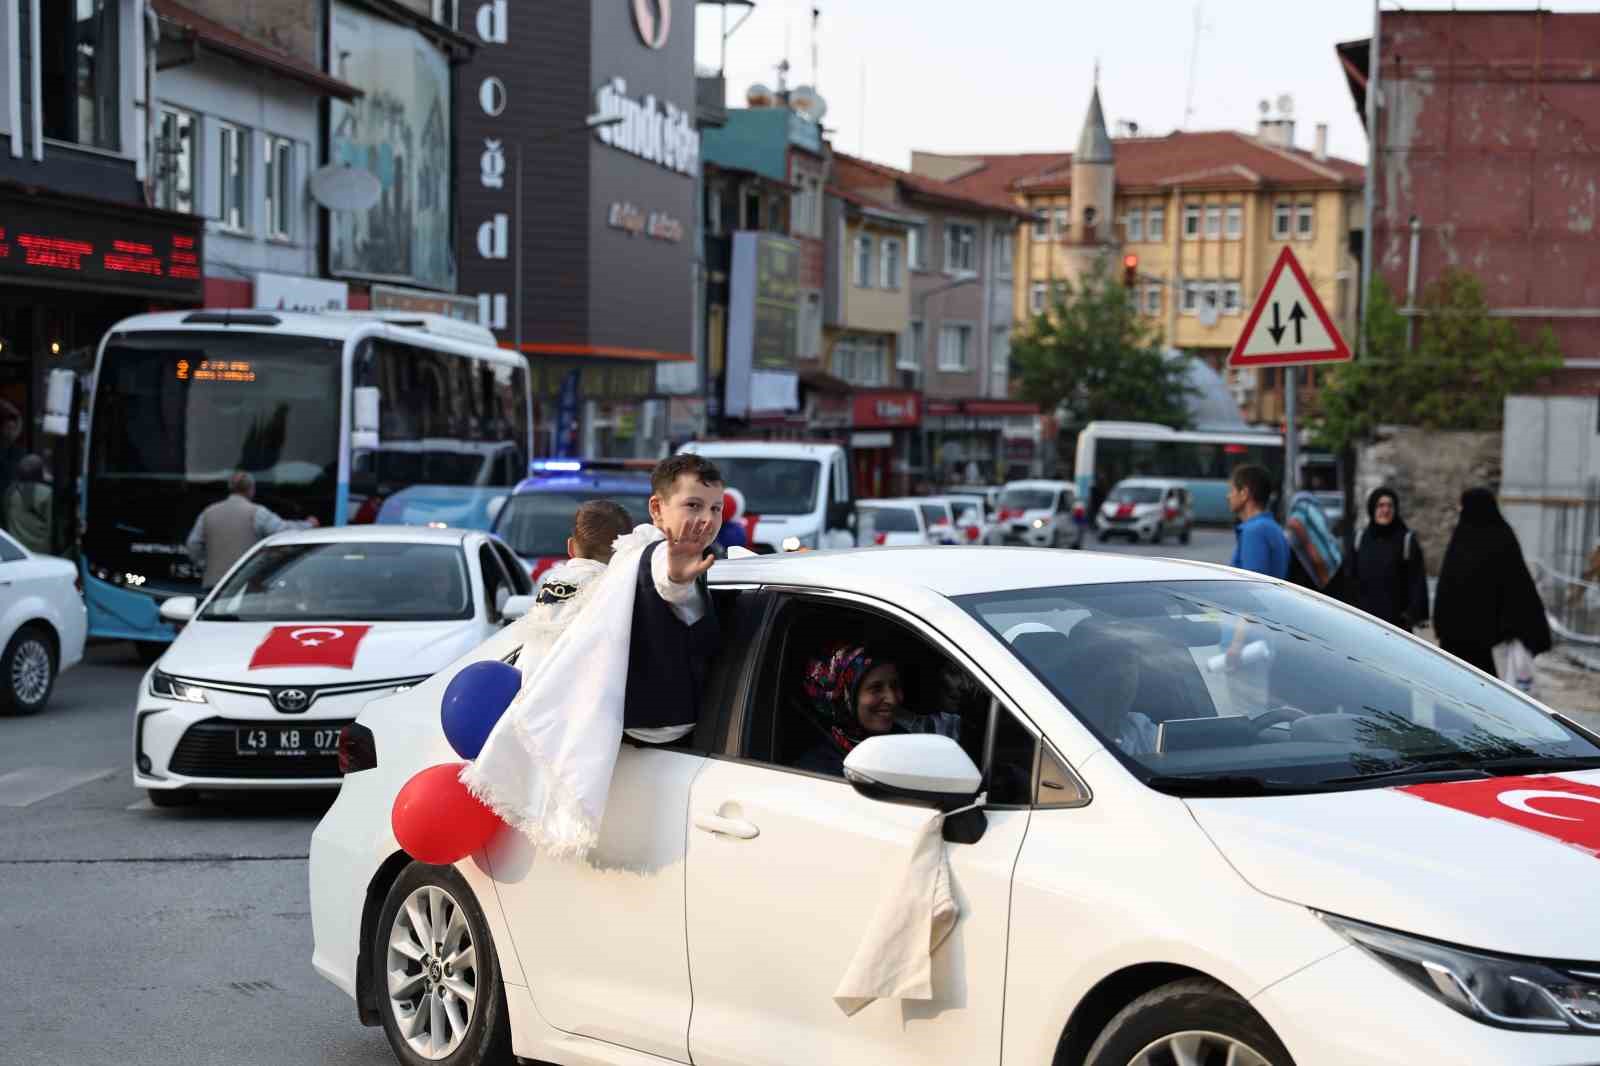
x=27, y=506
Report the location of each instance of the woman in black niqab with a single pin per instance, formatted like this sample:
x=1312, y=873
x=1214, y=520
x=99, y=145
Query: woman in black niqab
x=1486, y=595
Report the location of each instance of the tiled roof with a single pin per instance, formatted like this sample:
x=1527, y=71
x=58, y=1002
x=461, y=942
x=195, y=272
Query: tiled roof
x=224, y=41
x=1220, y=159
x=867, y=203
x=851, y=172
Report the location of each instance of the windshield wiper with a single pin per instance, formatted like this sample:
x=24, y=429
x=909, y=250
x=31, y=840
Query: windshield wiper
x=218, y=616
x=1225, y=785
x=1520, y=764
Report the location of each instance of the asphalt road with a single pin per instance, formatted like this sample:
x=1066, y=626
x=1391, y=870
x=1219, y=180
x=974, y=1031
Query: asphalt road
x=143, y=936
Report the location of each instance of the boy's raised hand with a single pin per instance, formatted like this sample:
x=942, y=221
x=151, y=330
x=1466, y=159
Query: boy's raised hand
x=686, y=545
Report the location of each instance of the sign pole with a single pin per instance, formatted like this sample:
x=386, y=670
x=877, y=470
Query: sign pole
x=1291, y=436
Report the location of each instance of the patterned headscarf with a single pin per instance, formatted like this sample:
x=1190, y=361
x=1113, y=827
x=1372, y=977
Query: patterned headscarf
x=832, y=681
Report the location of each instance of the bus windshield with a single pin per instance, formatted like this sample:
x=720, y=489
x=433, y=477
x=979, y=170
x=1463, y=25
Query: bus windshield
x=176, y=413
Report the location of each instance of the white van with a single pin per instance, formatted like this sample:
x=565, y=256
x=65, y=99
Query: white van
x=799, y=491
x=1036, y=513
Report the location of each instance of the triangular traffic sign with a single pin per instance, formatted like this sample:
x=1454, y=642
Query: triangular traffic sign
x=1288, y=325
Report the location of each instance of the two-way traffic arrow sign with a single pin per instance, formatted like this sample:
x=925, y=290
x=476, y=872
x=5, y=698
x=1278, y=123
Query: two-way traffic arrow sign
x=1301, y=331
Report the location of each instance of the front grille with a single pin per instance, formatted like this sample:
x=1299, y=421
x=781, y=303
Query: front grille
x=208, y=749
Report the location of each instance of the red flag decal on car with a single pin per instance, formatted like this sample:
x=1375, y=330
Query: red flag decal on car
x=1125, y=511
x=1565, y=810
x=333, y=646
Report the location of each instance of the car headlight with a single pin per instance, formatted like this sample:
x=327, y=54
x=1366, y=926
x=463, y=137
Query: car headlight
x=170, y=688
x=1038, y=523
x=1502, y=991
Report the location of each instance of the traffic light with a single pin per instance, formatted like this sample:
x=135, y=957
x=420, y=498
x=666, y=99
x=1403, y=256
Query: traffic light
x=1130, y=271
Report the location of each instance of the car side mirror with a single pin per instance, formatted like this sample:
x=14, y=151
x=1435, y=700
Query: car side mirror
x=516, y=607
x=179, y=609
x=924, y=769
x=839, y=515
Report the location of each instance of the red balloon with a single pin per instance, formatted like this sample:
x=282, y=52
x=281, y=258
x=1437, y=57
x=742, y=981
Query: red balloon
x=437, y=821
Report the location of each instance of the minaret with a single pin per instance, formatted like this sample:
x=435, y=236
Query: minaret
x=1094, y=177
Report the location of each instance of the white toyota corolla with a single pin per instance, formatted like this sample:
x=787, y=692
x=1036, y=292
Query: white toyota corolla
x=305, y=630
x=1222, y=821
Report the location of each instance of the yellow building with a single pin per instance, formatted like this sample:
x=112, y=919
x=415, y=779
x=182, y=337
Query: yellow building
x=1204, y=214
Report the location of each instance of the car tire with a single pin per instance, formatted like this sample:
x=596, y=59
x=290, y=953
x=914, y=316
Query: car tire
x=149, y=650
x=1193, y=1020
x=27, y=671
x=171, y=797
x=475, y=1031
x=1183, y=538
x=1158, y=534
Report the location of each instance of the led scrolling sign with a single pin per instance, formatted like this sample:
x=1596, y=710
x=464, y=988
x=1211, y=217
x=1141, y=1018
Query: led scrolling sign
x=113, y=252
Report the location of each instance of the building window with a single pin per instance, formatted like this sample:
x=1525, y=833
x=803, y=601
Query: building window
x=1191, y=221
x=280, y=168
x=1232, y=298
x=864, y=261
x=1213, y=221
x=1041, y=225
x=175, y=158
x=890, y=263
x=714, y=212
x=909, y=354
x=233, y=160
x=79, y=42
x=1152, y=299
x=960, y=249
x=1004, y=252
x=1282, y=218
x=1157, y=229
x=1063, y=221
x=1191, y=297
x=1211, y=296
x=1235, y=225
x=861, y=361
x=810, y=223
x=1305, y=222
x=1133, y=224
x=1038, y=297
x=775, y=215
x=1000, y=359
x=955, y=349
x=917, y=238
x=810, y=339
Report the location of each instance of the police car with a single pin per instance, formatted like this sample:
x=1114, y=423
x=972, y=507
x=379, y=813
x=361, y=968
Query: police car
x=302, y=633
x=1341, y=846
x=537, y=518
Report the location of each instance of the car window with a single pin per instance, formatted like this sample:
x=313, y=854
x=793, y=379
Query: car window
x=893, y=519
x=497, y=584
x=1027, y=499
x=1135, y=494
x=537, y=524
x=377, y=581
x=934, y=514
x=10, y=550
x=521, y=582
x=789, y=724
x=772, y=486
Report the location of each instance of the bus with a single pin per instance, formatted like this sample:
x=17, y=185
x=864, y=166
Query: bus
x=343, y=416
x=1202, y=459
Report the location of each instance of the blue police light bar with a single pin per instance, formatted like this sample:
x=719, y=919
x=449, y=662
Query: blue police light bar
x=554, y=466
x=575, y=466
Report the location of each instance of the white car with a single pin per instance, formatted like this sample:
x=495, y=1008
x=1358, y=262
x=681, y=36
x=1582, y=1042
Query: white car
x=42, y=625
x=971, y=516
x=1146, y=508
x=1172, y=858
x=893, y=523
x=303, y=632
x=1036, y=513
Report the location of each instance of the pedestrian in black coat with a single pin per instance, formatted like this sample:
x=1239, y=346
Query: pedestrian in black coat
x=1387, y=577
x=1486, y=595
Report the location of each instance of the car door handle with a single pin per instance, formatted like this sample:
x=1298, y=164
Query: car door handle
x=728, y=827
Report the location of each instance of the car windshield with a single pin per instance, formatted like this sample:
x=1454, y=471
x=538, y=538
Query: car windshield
x=1134, y=494
x=346, y=581
x=1316, y=695
x=966, y=511
x=539, y=523
x=934, y=514
x=894, y=519
x=1028, y=499
x=772, y=486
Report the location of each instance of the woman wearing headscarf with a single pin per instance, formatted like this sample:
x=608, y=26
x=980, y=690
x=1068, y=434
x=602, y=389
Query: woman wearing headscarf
x=1388, y=578
x=852, y=692
x=1314, y=552
x=1486, y=595
x=27, y=506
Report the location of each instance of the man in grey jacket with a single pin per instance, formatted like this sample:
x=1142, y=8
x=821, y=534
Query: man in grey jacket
x=227, y=529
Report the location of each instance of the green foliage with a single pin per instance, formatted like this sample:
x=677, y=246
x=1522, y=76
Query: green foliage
x=1458, y=376
x=1095, y=354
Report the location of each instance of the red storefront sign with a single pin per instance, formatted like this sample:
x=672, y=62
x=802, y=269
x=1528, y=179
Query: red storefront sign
x=887, y=409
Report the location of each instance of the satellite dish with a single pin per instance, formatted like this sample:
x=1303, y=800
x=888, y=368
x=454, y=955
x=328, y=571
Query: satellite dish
x=344, y=188
x=806, y=103
x=759, y=96
x=1286, y=105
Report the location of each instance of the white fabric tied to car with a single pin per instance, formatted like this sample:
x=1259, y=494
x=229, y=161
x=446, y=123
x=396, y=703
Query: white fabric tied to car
x=547, y=765
x=916, y=914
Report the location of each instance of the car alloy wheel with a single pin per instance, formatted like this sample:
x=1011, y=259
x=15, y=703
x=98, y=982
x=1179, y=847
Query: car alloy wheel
x=1198, y=1048
x=27, y=670
x=432, y=972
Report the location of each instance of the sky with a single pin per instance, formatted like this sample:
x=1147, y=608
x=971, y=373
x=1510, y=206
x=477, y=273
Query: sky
x=1015, y=75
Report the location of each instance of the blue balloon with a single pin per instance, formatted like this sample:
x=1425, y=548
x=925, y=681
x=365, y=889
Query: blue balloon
x=474, y=701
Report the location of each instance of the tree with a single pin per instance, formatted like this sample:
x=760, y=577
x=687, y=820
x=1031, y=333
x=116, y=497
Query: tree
x=1457, y=377
x=1093, y=354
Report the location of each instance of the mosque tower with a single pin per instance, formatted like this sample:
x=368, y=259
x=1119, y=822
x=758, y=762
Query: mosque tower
x=1094, y=178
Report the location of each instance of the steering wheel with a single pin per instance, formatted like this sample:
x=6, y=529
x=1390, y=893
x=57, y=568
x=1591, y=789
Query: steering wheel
x=1278, y=716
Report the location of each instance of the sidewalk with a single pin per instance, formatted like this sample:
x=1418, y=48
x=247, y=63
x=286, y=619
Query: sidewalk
x=1567, y=687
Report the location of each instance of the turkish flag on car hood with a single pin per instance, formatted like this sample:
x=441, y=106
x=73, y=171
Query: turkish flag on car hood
x=310, y=645
x=1557, y=807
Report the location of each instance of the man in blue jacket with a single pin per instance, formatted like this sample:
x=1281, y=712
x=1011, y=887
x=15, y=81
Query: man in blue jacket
x=1261, y=546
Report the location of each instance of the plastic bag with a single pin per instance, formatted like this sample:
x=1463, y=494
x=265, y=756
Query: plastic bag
x=1513, y=663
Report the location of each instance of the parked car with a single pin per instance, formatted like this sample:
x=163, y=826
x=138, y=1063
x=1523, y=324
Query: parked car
x=42, y=625
x=305, y=630
x=1146, y=508
x=536, y=519
x=1165, y=862
x=1037, y=513
x=941, y=518
x=893, y=523
x=971, y=513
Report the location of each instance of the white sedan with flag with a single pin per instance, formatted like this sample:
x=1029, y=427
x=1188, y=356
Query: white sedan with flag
x=301, y=634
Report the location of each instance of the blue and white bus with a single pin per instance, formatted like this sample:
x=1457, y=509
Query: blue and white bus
x=345, y=416
x=1203, y=460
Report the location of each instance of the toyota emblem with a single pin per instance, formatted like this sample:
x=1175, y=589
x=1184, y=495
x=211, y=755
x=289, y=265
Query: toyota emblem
x=291, y=700
x=654, y=20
